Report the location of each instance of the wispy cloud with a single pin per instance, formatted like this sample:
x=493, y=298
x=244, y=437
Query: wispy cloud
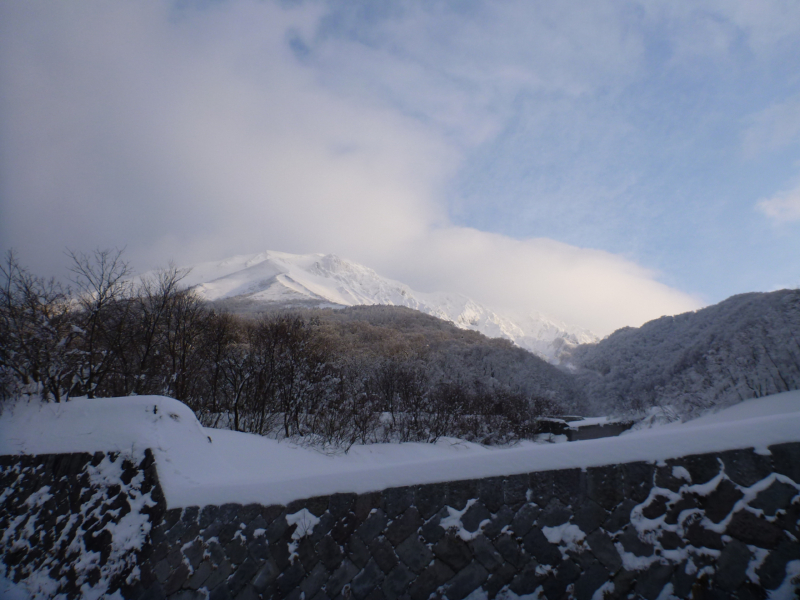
x=194, y=132
x=783, y=207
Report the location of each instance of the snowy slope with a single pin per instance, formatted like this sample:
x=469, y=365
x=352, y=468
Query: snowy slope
x=278, y=279
x=744, y=347
x=198, y=466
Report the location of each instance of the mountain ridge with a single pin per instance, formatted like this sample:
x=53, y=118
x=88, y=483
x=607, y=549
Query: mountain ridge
x=275, y=280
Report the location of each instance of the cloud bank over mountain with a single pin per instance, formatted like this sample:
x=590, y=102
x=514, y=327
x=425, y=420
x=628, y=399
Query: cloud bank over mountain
x=197, y=133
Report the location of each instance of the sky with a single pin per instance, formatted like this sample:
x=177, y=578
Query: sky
x=604, y=163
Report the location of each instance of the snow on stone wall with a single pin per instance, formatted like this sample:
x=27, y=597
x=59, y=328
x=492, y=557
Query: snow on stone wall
x=726, y=523
x=77, y=525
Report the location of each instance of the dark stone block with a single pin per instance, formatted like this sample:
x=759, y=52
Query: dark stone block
x=650, y=583
x=227, y=512
x=732, y=565
x=515, y=490
x=383, y=553
x=290, y=578
x=190, y=514
x=620, y=516
x=242, y=575
x=772, y=571
x=357, y=552
x=397, y=582
x=590, y=580
x=215, y=552
x=396, y=501
x=750, y=529
x=429, y=499
x=367, y=580
x=414, y=554
x=569, y=486
x=323, y=527
x=499, y=520
x=219, y=573
x=589, y=516
x=314, y=581
x=372, y=526
x=344, y=528
x=490, y=493
x=208, y=514
x=171, y=517
x=524, y=520
x=745, y=467
x=255, y=524
x=664, y=478
x=176, y=579
x=554, y=514
x=721, y=501
x=499, y=579
x=459, y=493
x=248, y=512
x=604, y=550
x=687, y=502
x=340, y=504
x=698, y=536
x=671, y=540
x=656, y=507
x=266, y=574
x=194, y=553
x=466, y=581
x=220, y=592
x=541, y=487
x=682, y=581
x=776, y=497
x=429, y=580
x=637, y=480
x=329, y=553
x=236, y=551
x=632, y=543
x=528, y=579
x=453, y=551
x=605, y=486
x=364, y=505
x=624, y=581
x=475, y=515
x=400, y=529
x=188, y=595
x=161, y=570
x=786, y=460
x=306, y=553
x=556, y=586
x=510, y=550
x=431, y=531
x=537, y=544
x=702, y=467
x=485, y=553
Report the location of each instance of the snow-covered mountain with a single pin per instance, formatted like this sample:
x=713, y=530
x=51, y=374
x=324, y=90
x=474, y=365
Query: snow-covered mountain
x=280, y=280
x=745, y=347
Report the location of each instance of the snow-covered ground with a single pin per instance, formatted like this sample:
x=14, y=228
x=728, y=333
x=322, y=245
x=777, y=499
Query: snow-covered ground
x=199, y=466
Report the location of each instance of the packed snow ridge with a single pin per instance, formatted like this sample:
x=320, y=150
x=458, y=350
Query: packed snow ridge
x=280, y=280
x=199, y=466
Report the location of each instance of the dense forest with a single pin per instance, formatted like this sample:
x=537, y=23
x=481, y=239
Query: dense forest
x=324, y=377
x=745, y=347
x=335, y=377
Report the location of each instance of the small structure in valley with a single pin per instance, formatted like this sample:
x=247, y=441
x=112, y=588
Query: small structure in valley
x=577, y=428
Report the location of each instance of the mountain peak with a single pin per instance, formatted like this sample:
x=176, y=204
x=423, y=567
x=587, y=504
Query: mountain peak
x=271, y=279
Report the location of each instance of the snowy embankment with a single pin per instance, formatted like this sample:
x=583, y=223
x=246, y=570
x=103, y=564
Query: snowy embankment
x=199, y=466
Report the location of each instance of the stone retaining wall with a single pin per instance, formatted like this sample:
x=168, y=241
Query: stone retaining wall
x=712, y=526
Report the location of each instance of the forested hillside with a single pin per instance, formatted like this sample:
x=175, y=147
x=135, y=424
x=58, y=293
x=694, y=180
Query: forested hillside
x=747, y=346
x=327, y=377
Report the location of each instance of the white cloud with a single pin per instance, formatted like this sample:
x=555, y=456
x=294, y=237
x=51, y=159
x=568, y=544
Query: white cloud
x=783, y=207
x=195, y=135
x=773, y=128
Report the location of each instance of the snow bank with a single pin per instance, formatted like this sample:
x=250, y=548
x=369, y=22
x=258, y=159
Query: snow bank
x=199, y=466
